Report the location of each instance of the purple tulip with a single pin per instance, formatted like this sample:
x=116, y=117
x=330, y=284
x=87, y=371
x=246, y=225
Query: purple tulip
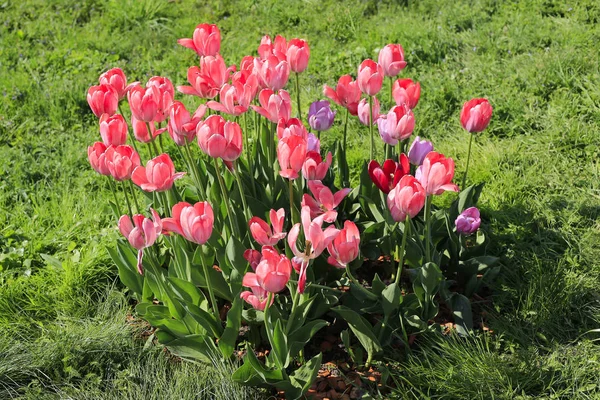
x=468, y=221
x=314, y=144
x=320, y=115
x=418, y=151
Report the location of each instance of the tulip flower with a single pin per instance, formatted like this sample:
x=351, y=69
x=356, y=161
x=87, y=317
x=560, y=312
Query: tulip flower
x=272, y=73
x=274, y=106
x=320, y=115
x=144, y=102
x=297, y=55
x=322, y=206
x=97, y=158
x=468, y=221
x=345, y=247
x=258, y=297
x=475, y=115
x=406, y=91
x=386, y=177
x=142, y=233
x=193, y=222
x=140, y=130
x=274, y=270
x=391, y=59
x=157, y=176
x=246, y=87
x=291, y=153
x=115, y=77
x=103, y=99
x=370, y=77
x=121, y=161
x=228, y=97
x=364, y=115
x=201, y=85
x=167, y=92
x=206, y=40
x=182, y=126
x=253, y=257
x=246, y=68
x=436, y=173
x=418, y=150
x=406, y=199
x=314, y=144
x=292, y=126
x=317, y=240
x=268, y=48
x=346, y=94
x=261, y=231
x=397, y=125
x=219, y=138
x=113, y=129
x=314, y=168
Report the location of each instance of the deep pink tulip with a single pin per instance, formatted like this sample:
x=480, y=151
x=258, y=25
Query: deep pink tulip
x=291, y=153
x=206, y=40
x=317, y=240
x=391, y=58
x=272, y=73
x=167, y=93
x=407, y=198
x=324, y=203
x=140, y=130
x=346, y=94
x=468, y=221
x=113, y=129
x=253, y=257
x=115, y=77
x=298, y=54
x=262, y=232
x=406, y=91
x=397, y=125
x=386, y=177
x=144, y=102
x=418, y=150
x=363, y=111
x=220, y=138
x=292, y=126
x=274, y=270
x=142, y=233
x=157, y=176
x=121, y=161
x=476, y=115
x=228, y=97
x=370, y=77
x=314, y=168
x=274, y=106
x=436, y=173
x=345, y=247
x=182, y=126
x=103, y=99
x=193, y=222
x=97, y=158
x=258, y=297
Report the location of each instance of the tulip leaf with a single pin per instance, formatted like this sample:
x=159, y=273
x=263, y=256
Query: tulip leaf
x=197, y=347
x=361, y=328
x=463, y=317
x=391, y=297
x=186, y=291
x=205, y=319
x=279, y=345
x=299, y=338
x=232, y=329
x=268, y=375
x=235, y=255
x=304, y=376
x=246, y=375
x=126, y=261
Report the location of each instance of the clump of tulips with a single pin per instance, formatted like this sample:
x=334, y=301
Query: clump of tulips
x=236, y=238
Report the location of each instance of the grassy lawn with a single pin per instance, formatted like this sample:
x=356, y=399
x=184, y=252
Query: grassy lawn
x=64, y=326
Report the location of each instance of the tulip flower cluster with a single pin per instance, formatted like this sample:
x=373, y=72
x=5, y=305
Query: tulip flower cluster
x=237, y=218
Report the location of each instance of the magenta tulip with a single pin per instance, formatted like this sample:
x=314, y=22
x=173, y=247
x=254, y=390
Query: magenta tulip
x=468, y=221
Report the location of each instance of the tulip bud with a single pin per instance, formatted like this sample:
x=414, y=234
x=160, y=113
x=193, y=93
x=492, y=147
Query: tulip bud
x=113, y=129
x=320, y=115
x=103, y=99
x=475, y=115
x=397, y=125
x=370, y=77
x=406, y=199
x=391, y=59
x=298, y=54
x=468, y=221
x=418, y=150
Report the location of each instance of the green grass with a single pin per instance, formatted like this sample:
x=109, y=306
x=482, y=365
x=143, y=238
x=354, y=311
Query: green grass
x=63, y=328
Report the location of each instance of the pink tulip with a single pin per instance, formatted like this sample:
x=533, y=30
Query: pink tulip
x=314, y=168
x=397, y=125
x=274, y=270
x=436, y=173
x=113, y=129
x=257, y=298
x=476, y=115
x=246, y=87
x=195, y=223
x=391, y=58
x=228, y=96
x=386, y=177
x=103, y=99
x=142, y=233
x=144, y=102
x=406, y=91
x=468, y=221
x=291, y=153
x=317, y=240
x=345, y=247
x=268, y=48
x=182, y=126
x=206, y=40
x=253, y=257
x=157, y=176
x=406, y=199
x=370, y=77
x=261, y=231
x=322, y=206
x=220, y=138
x=246, y=66
x=97, y=158
x=346, y=94
x=274, y=106
x=140, y=130
x=201, y=85
x=363, y=111
x=121, y=161
x=291, y=127
x=115, y=77
x=167, y=92
x=298, y=54
x=271, y=72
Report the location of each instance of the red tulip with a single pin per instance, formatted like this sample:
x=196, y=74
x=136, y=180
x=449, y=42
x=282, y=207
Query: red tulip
x=182, y=126
x=346, y=93
x=253, y=257
x=291, y=153
x=406, y=199
x=314, y=168
x=228, y=97
x=115, y=77
x=397, y=125
x=206, y=40
x=391, y=58
x=370, y=77
x=144, y=102
x=97, y=158
x=364, y=111
x=142, y=233
x=167, y=92
x=220, y=138
x=388, y=176
x=140, y=130
x=298, y=54
x=121, y=161
x=157, y=176
x=195, y=223
x=476, y=114
x=436, y=173
x=272, y=73
x=113, y=129
x=274, y=270
x=103, y=99
x=274, y=106
x=345, y=247
x=322, y=206
x=261, y=231
x=406, y=91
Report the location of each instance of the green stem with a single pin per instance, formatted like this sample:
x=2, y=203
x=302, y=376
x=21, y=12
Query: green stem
x=114, y=192
x=344, y=168
x=209, y=287
x=391, y=92
x=160, y=143
x=353, y=280
x=428, y=229
x=137, y=206
x=127, y=199
x=153, y=143
x=249, y=154
x=291, y=189
x=372, y=153
x=464, y=181
x=232, y=222
x=400, y=253
x=236, y=173
x=194, y=169
x=298, y=96
x=272, y=152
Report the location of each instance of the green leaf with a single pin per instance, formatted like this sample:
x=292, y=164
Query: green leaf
x=205, y=319
x=301, y=336
x=197, y=347
x=279, y=345
x=235, y=255
x=345, y=336
x=232, y=329
x=52, y=261
x=391, y=297
x=126, y=262
x=186, y=291
x=430, y=276
x=304, y=376
x=361, y=328
x=246, y=375
x=268, y=375
x=461, y=309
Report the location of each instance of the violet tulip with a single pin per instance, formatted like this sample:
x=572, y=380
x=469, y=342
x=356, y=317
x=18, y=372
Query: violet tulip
x=406, y=199
x=436, y=173
x=262, y=232
x=121, y=161
x=206, y=40
x=320, y=115
x=193, y=222
x=142, y=233
x=418, y=150
x=345, y=247
x=386, y=177
x=103, y=99
x=346, y=94
x=219, y=138
x=391, y=59
x=468, y=221
x=397, y=125
x=406, y=91
x=113, y=129
x=370, y=77
x=157, y=176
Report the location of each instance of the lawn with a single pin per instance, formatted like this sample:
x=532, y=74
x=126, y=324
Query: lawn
x=65, y=320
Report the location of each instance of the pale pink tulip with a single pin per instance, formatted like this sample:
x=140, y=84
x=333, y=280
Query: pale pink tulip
x=292, y=126
x=261, y=231
x=228, y=97
x=476, y=115
x=397, y=125
x=142, y=233
x=274, y=270
x=144, y=102
x=298, y=54
x=272, y=73
x=182, y=126
x=268, y=48
x=167, y=92
x=97, y=158
x=364, y=115
x=157, y=176
x=258, y=297
x=140, y=130
x=115, y=77
x=391, y=59
x=370, y=77
x=406, y=91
